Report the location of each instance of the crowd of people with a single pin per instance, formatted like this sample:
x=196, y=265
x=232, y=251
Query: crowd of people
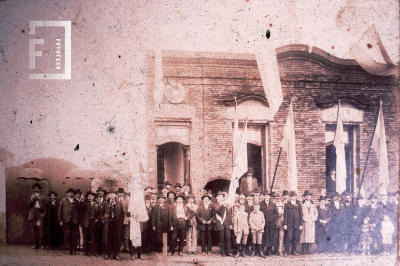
x=260, y=223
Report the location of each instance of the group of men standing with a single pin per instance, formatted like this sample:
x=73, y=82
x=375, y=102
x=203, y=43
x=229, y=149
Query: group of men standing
x=259, y=223
x=98, y=223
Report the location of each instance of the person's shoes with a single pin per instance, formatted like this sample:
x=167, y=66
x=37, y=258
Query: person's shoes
x=133, y=257
x=189, y=252
x=280, y=254
x=252, y=253
x=295, y=253
x=262, y=255
x=203, y=253
x=194, y=252
x=229, y=254
x=169, y=254
x=140, y=257
x=117, y=258
x=237, y=255
x=106, y=257
x=180, y=253
x=96, y=254
x=35, y=246
x=285, y=254
x=244, y=255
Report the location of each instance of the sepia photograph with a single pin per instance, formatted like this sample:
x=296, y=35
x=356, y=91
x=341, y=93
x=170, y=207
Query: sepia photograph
x=167, y=132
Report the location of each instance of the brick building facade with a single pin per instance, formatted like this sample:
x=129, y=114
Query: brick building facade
x=190, y=118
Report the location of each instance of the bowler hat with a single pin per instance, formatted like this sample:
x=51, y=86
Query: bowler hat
x=99, y=195
x=205, y=195
x=178, y=185
x=275, y=194
x=37, y=185
x=121, y=190
x=190, y=196
x=292, y=193
x=53, y=192
x=267, y=192
x=256, y=190
x=100, y=189
x=242, y=196
x=88, y=193
x=321, y=198
x=78, y=191
x=147, y=197
x=285, y=193
x=180, y=196
x=167, y=183
x=70, y=190
x=307, y=193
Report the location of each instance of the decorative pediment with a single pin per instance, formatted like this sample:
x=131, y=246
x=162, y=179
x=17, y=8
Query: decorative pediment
x=361, y=104
x=244, y=98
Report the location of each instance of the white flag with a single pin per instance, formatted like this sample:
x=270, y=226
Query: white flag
x=289, y=146
x=371, y=55
x=339, y=143
x=240, y=163
x=379, y=146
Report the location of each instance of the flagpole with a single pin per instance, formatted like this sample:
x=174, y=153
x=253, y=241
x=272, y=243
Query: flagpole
x=369, y=150
x=276, y=168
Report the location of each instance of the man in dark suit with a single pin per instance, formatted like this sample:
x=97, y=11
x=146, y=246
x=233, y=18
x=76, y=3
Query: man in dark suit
x=271, y=216
x=336, y=227
x=292, y=223
x=159, y=222
x=51, y=217
x=114, y=216
x=205, y=219
x=223, y=224
x=36, y=214
x=179, y=216
x=88, y=223
x=68, y=219
x=248, y=184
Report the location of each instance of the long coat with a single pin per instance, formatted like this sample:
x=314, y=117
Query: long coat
x=292, y=216
x=244, y=186
x=119, y=216
x=220, y=210
x=159, y=220
x=204, y=214
x=310, y=216
x=271, y=216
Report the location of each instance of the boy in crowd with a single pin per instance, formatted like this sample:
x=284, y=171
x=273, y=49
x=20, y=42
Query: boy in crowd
x=257, y=224
x=241, y=229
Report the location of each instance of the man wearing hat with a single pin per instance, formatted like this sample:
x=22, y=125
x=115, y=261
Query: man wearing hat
x=178, y=188
x=248, y=184
x=36, y=214
x=310, y=216
x=186, y=191
x=321, y=230
x=360, y=213
x=159, y=223
x=100, y=233
x=52, y=226
x=88, y=224
x=178, y=217
x=167, y=185
x=79, y=197
x=148, y=190
x=349, y=222
x=68, y=218
x=205, y=219
x=223, y=224
x=127, y=223
x=292, y=223
x=336, y=225
x=271, y=216
x=146, y=226
x=114, y=215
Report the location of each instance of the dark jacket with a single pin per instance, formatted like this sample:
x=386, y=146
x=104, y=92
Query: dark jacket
x=119, y=218
x=271, y=214
x=292, y=216
x=51, y=212
x=337, y=224
x=68, y=211
x=31, y=205
x=204, y=214
x=86, y=211
x=159, y=220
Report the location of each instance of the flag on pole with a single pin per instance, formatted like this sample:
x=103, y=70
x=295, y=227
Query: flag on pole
x=240, y=159
x=371, y=55
x=379, y=146
x=339, y=143
x=289, y=146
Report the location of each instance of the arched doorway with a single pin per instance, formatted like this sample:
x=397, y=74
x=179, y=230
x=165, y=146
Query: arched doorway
x=173, y=163
x=218, y=184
